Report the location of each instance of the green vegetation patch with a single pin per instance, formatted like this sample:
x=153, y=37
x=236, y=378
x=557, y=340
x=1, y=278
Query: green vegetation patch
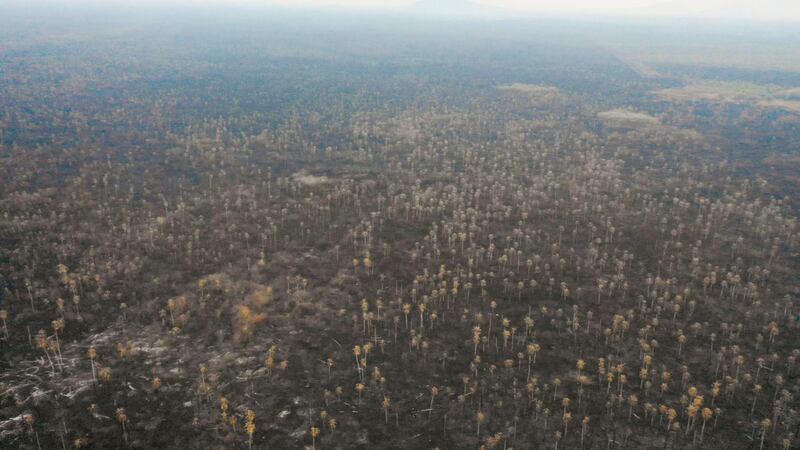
x=627, y=119
x=533, y=89
x=764, y=95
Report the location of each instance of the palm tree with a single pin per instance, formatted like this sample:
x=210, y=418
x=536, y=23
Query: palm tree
x=633, y=400
x=92, y=352
x=386, y=403
x=480, y=417
x=43, y=344
x=359, y=389
x=105, y=374
x=766, y=424
x=58, y=325
x=476, y=338
x=705, y=414
x=314, y=433
x=681, y=341
x=434, y=393
x=250, y=426
x=357, y=354
x=584, y=427
x=756, y=391
x=566, y=418
x=532, y=350
x=3, y=317
x=223, y=408
x=122, y=418
x=28, y=418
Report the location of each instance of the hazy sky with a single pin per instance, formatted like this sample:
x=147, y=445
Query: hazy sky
x=781, y=10
x=739, y=9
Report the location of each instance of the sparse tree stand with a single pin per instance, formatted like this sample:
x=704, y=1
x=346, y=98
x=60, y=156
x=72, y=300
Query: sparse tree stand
x=477, y=204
